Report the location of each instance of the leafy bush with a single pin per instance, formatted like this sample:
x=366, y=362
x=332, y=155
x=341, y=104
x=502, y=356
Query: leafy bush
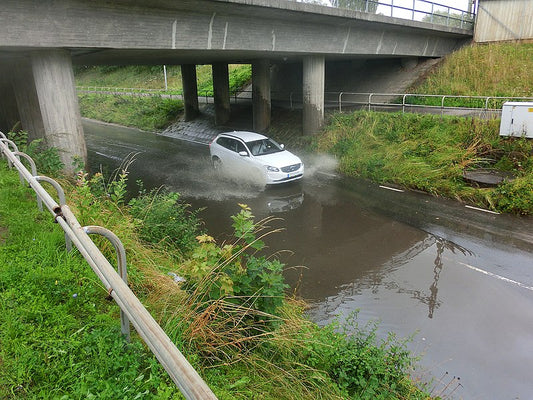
x=361, y=364
x=46, y=158
x=230, y=272
x=164, y=219
x=515, y=196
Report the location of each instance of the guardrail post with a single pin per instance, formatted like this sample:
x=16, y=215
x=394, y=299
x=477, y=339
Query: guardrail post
x=15, y=148
x=442, y=106
x=403, y=103
x=121, y=266
x=369, y=100
x=32, y=165
x=62, y=201
x=340, y=101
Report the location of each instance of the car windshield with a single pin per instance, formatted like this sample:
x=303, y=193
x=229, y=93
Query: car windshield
x=263, y=146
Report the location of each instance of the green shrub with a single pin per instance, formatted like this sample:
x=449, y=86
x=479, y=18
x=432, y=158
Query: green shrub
x=234, y=271
x=46, y=158
x=515, y=196
x=164, y=219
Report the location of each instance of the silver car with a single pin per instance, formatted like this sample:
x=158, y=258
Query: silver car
x=253, y=156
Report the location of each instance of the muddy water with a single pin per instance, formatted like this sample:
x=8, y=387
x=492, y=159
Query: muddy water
x=460, y=279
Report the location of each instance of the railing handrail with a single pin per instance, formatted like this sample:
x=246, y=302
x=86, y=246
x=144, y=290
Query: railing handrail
x=182, y=373
x=405, y=96
x=466, y=19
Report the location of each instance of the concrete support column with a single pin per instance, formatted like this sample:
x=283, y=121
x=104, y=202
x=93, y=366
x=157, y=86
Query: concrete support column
x=27, y=100
x=261, y=94
x=58, y=102
x=221, y=93
x=9, y=115
x=190, y=91
x=313, y=94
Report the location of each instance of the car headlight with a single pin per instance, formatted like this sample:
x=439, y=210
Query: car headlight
x=272, y=169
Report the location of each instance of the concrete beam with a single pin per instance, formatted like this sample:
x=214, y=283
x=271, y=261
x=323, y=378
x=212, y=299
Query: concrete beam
x=58, y=105
x=221, y=93
x=313, y=94
x=181, y=32
x=261, y=95
x=190, y=91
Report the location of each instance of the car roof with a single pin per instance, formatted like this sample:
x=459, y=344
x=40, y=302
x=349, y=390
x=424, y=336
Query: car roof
x=244, y=135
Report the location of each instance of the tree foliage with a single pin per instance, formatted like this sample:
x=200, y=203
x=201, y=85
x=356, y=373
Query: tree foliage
x=357, y=5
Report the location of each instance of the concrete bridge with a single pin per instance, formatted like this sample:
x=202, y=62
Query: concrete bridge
x=41, y=39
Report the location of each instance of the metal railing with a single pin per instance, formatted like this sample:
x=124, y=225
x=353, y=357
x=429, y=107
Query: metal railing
x=409, y=101
x=182, y=373
x=414, y=10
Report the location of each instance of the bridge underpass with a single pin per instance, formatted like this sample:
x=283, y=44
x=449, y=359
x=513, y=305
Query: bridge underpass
x=40, y=40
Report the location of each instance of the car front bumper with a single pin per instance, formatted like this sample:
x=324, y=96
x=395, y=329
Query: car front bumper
x=273, y=178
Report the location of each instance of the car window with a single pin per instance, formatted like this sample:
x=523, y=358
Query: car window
x=227, y=143
x=241, y=147
x=232, y=144
x=263, y=146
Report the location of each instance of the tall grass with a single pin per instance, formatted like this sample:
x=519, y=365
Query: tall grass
x=430, y=153
x=147, y=113
x=497, y=69
x=152, y=77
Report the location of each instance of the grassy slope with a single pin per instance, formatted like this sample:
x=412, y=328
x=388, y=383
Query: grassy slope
x=498, y=69
x=152, y=77
x=430, y=153
x=147, y=113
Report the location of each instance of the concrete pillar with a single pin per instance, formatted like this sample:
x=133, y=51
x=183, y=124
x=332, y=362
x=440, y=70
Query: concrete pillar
x=9, y=115
x=58, y=103
x=313, y=94
x=190, y=91
x=261, y=95
x=221, y=93
x=27, y=100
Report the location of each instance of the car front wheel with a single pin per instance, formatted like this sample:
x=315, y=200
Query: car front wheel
x=217, y=163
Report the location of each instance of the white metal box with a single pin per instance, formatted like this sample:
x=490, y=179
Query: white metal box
x=517, y=119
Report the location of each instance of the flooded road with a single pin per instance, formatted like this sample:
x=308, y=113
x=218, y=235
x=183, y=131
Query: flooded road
x=462, y=280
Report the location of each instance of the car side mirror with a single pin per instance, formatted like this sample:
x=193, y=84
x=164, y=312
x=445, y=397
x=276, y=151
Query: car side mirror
x=243, y=153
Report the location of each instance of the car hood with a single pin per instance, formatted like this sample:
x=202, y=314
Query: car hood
x=279, y=159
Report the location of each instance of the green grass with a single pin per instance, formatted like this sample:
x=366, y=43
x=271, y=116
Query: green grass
x=497, y=69
x=147, y=113
x=150, y=113
x=489, y=70
x=60, y=335
x=152, y=77
x=430, y=153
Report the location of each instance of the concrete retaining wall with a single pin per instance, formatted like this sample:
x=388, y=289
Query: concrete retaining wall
x=500, y=20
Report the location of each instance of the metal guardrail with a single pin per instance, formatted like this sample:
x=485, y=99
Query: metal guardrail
x=343, y=100
x=368, y=99
x=414, y=10
x=182, y=373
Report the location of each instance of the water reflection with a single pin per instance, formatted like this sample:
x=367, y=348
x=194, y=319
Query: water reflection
x=399, y=275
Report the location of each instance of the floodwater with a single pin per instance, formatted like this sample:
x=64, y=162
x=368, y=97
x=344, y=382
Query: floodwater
x=460, y=280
